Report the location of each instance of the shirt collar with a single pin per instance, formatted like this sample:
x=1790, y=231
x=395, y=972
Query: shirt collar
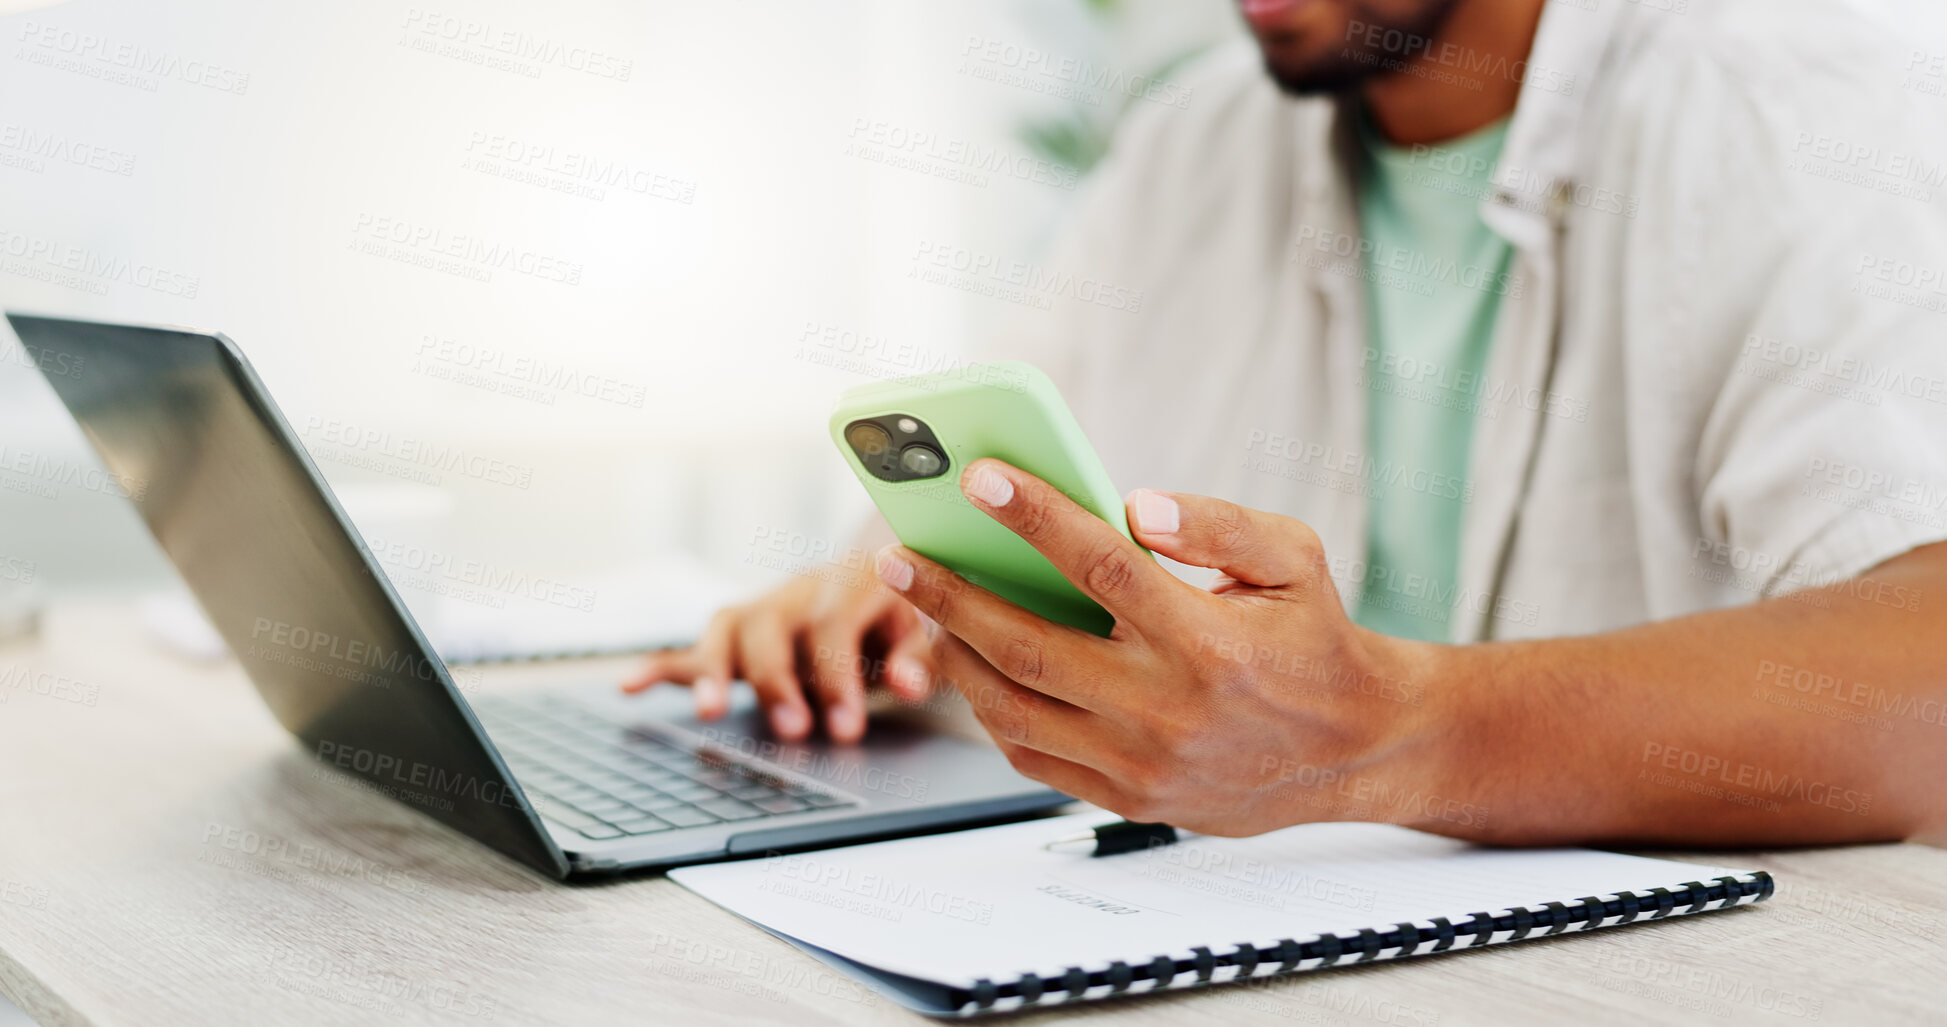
x=1537, y=170
x=1536, y=173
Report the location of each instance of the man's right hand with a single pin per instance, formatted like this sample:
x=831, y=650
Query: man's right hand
x=810, y=636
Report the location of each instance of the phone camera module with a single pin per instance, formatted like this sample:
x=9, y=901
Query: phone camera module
x=895, y=447
x=921, y=460
x=868, y=439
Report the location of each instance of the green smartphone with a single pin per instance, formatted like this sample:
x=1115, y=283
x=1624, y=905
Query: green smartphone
x=909, y=439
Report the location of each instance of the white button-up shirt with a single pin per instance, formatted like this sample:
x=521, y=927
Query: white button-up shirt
x=1718, y=370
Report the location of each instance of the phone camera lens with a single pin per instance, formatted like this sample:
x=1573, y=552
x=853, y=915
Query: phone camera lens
x=869, y=439
x=922, y=460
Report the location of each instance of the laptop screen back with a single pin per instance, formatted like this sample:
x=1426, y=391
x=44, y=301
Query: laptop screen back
x=196, y=443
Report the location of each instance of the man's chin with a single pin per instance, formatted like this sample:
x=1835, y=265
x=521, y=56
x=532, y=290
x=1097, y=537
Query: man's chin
x=1322, y=55
x=1317, y=77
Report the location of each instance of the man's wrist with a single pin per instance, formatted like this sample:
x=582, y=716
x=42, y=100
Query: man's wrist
x=1443, y=767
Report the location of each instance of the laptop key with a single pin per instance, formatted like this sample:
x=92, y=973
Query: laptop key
x=721, y=779
x=780, y=804
x=562, y=813
x=583, y=769
x=819, y=800
x=600, y=831
x=730, y=809
x=614, y=761
x=686, y=816
x=651, y=744
x=657, y=778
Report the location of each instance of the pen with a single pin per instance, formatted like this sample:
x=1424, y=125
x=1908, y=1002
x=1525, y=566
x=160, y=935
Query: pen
x=1119, y=837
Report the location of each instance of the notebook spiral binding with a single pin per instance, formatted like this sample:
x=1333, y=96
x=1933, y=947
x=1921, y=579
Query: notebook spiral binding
x=1288, y=955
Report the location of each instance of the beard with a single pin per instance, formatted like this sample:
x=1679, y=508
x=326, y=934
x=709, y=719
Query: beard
x=1366, y=43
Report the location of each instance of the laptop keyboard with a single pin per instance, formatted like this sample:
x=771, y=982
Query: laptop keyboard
x=607, y=779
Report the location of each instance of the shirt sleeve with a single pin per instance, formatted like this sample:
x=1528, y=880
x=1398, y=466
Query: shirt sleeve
x=1823, y=452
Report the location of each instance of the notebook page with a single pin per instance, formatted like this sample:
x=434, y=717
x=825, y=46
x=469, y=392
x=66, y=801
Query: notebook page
x=994, y=903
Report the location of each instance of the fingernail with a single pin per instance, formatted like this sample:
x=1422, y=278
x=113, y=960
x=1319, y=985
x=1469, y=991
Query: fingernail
x=909, y=676
x=847, y=722
x=709, y=697
x=790, y=721
x=989, y=486
x=1156, y=514
x=894, y=571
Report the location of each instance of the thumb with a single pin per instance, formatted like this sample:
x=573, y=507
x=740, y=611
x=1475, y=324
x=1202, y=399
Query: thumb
x=1254, y=547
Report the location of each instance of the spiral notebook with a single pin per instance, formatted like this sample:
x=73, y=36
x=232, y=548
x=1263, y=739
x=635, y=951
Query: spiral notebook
x=988, y=920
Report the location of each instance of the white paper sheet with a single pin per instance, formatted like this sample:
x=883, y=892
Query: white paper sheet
x=994, y=903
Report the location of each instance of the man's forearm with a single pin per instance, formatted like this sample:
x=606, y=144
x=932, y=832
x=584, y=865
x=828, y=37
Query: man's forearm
x=1819, y=717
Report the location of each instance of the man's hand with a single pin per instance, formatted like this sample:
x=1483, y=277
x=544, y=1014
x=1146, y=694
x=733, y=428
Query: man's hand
x=1231, y=712
x=812, y=638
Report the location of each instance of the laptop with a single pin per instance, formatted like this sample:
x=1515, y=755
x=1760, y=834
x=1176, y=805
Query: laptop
x=573, y=781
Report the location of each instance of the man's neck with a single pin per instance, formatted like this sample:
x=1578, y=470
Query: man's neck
x=1467, y=78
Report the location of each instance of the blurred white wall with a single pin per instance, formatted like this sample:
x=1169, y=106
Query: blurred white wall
x=652, y=204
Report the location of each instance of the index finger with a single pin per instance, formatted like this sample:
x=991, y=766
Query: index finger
x=1037, y=653
x=1091, y=554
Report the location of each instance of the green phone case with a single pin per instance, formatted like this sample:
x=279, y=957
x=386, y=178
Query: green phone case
x=1012, y=412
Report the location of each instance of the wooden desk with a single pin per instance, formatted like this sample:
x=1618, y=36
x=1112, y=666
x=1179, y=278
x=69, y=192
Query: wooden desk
x=168, y=856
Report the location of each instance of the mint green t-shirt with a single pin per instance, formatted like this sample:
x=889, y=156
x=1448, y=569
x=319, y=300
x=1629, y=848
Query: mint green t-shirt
x=1435, y=277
